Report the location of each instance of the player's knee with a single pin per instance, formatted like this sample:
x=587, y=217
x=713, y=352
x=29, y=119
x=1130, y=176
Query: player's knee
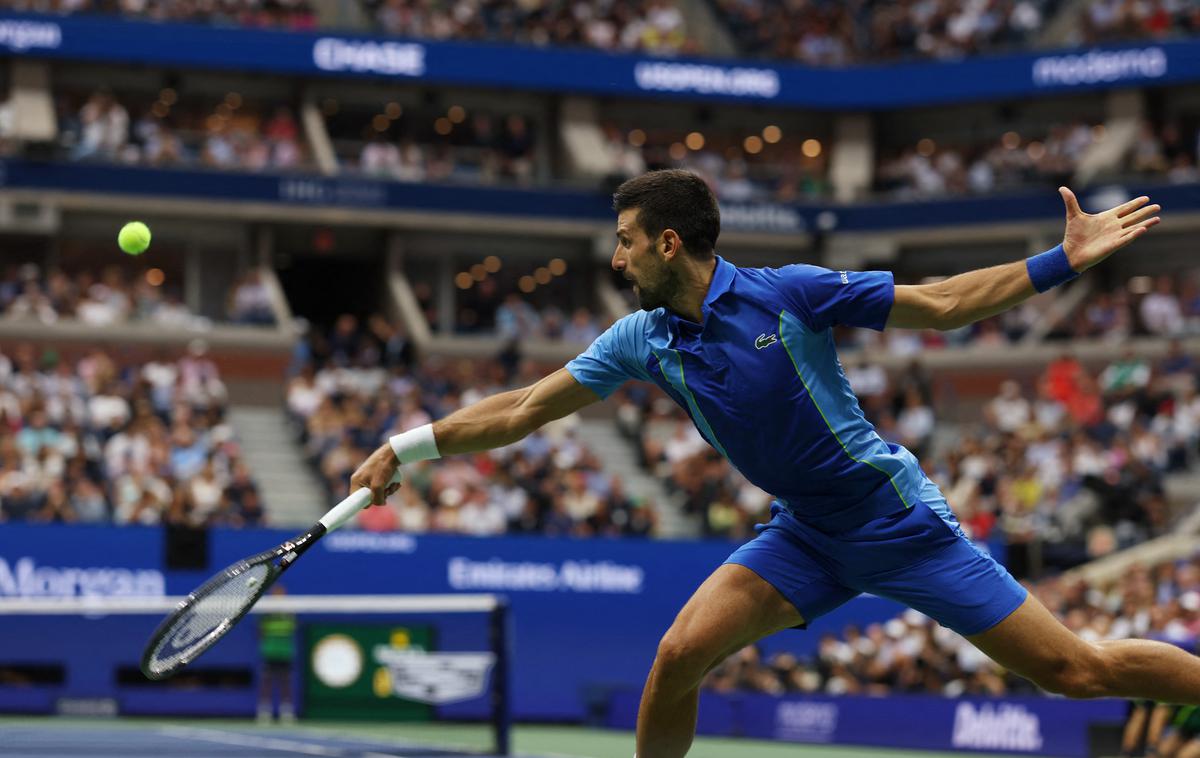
x=680, y=654
x=1081, y=674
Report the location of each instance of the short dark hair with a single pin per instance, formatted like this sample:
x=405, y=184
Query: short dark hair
x=674, y=199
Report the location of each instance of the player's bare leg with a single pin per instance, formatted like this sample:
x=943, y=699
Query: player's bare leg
x=733, y=608
x=1034, y=644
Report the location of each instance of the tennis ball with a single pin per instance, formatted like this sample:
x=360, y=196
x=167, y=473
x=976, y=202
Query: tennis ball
x=134, y=238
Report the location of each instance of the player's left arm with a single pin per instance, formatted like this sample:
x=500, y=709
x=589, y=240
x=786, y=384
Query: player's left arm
x=974, y=295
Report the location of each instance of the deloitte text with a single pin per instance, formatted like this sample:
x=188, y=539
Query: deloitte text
x=1100, y=67
x=363, y=57
x=996, y=727
x=26, y=35
x=803, y=721
x=370, y=542
x=707, y=80
x=571, y=576
x=24, y=578
x=762, y=218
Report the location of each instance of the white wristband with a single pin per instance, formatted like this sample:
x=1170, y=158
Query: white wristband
x=415, y=445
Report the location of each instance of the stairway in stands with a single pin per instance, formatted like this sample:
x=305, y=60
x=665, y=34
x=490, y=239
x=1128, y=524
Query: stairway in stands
x=292, y=493
x=619, y=457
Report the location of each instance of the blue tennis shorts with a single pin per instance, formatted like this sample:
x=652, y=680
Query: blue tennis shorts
x=919, y=557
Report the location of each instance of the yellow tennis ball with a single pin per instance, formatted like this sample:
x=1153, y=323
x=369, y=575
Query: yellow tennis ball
x=134, y=238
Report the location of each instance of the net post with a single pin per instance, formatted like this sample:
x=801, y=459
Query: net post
x=498, y=621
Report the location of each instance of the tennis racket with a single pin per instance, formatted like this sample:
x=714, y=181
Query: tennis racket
x=209, y=612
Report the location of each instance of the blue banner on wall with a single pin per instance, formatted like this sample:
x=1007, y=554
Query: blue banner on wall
x=561, y=203
x=1027, y=725
x=610, y=598
x=585, y=71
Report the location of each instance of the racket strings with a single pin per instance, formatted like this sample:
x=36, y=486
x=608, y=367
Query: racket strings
x=213, y=612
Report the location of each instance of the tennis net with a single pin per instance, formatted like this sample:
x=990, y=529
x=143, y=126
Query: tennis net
x=427, y=666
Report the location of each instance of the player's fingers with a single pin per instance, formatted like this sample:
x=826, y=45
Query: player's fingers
x=379, y=494
x=1132, y=234
x=1137, y=216
x=1124, y=209
x=1145, y=225
x=391, y=490
x=1070, y=202
x=357, y=482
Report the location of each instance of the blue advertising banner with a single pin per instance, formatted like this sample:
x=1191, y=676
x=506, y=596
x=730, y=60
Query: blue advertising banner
x=587, y=614
x=98, y=38
x=561, y=203
x=1027, y=725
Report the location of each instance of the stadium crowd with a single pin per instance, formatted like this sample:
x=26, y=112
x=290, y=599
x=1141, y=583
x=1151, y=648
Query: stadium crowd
x=99, y=299
x=839, y=33
x=739, y=167
x=482, y=311
x=817, y=32
x=912, y=654
x=1013, y=160
x=231, y=135
x=420, y=144
x=1115, y=20
x=834, y=34
x=652, y=26
x=101, y=440
x=295, y=15
x=1163, y=306
x=408, y=146
x=356, y=386
x=114, y=296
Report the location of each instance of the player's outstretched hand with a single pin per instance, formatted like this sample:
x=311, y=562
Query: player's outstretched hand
x=377, y=473
x=1091, y=238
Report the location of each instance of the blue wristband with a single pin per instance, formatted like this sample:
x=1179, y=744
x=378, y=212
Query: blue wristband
x=1050, y=269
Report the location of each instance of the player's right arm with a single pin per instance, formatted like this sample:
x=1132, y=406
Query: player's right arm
x=507, y=417
x=495, y=421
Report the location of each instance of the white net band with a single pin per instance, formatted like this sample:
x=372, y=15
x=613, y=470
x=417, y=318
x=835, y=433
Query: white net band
x=269, y=604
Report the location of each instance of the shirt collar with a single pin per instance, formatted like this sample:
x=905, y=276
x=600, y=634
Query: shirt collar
x=722, y=279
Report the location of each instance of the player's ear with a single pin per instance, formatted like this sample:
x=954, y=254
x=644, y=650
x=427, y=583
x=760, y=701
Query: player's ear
x=671, y=244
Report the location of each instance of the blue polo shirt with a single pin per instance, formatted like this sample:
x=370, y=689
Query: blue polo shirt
x=761, y=380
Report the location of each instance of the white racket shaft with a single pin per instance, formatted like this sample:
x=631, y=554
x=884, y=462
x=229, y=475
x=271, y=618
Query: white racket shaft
x=346, y=510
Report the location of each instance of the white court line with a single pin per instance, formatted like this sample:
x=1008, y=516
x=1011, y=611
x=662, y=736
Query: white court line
x=246, y=740
x=277, y=743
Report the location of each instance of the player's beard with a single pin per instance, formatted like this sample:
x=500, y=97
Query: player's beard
x=657, y=287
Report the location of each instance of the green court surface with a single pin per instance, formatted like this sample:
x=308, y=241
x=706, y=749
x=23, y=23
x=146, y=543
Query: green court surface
x=529, y=740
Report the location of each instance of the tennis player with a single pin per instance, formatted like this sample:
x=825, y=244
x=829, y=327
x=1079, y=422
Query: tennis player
x=748, y=354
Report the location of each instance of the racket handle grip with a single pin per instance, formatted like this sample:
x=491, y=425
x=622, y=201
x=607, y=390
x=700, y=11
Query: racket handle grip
x=346, y=510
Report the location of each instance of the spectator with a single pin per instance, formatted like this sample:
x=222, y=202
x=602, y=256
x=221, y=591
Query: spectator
x=1160, y=310
x=104, y=128
x=250, y=301
x=380, y=158
x=1009, y=411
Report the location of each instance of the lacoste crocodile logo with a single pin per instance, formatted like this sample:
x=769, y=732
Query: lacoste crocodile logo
x=765, y=340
